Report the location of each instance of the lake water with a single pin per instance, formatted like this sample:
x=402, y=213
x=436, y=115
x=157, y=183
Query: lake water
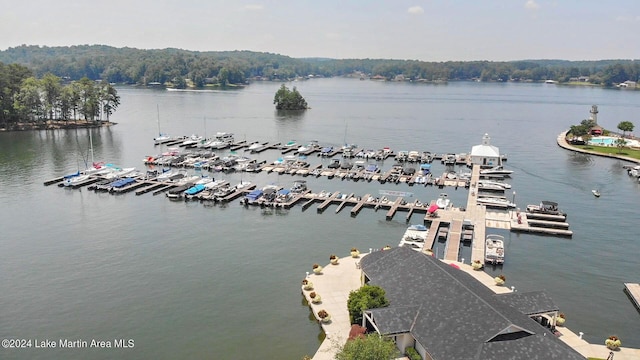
x=189, y=280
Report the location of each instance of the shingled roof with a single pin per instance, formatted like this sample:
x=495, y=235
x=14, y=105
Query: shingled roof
x=453, y=316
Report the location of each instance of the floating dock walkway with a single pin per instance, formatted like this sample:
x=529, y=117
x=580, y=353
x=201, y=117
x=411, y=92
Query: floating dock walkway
x=633, y=291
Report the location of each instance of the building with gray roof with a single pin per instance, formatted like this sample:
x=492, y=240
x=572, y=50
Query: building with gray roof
x=446, y=314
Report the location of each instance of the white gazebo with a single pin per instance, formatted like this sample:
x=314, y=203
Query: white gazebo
x=486, y=155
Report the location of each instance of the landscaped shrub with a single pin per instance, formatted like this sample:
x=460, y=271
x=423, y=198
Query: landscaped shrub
x=412, y=354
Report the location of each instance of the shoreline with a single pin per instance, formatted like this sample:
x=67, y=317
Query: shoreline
x=562, y=142
x=57, y=125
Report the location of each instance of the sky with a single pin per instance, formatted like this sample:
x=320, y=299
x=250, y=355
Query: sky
x=426, y=30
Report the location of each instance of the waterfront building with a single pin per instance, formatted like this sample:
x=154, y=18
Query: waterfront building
x=485, y=154
x=444, y=313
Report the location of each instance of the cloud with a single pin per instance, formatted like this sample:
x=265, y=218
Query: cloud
x=416, y=10
x=252, y=7
x=531, y=5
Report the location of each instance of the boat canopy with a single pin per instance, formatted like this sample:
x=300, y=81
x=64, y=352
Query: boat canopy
x=123, y=182
x=194, y=189
x=255, y=194
x=418, y=227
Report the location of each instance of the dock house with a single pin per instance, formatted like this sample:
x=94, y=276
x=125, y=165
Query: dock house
x=485, y=154
x=444, y=313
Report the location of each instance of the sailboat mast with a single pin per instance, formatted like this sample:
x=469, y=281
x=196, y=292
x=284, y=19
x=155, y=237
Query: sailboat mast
x=158, y=109
x=91, y=146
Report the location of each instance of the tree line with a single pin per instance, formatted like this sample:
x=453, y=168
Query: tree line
x=26, y=98
x=182, y=68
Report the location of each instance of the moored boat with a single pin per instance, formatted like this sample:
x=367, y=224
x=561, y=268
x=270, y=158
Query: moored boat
x=495, y=202
x=415, y=237
x=443, y=201
x=494, y=249
x=545, y=207
x=496, y=171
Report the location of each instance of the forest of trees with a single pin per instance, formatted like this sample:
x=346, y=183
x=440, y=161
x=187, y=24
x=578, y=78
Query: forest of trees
x=181, y=68
x=39, y=83
x=25, y=98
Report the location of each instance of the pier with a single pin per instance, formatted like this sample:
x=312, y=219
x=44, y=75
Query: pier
x=633, y=291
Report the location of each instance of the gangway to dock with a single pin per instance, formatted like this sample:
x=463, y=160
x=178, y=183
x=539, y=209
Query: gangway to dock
x=453, y=242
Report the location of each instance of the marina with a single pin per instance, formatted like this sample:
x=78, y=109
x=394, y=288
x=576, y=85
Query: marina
x=153, y=256
x=445, y=221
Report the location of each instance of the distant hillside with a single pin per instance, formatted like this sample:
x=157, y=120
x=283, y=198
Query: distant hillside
x=181, y=68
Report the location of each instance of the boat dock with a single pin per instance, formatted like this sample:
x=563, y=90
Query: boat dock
x=633, y=291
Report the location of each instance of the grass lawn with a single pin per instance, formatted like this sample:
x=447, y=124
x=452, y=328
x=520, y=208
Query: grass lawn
x=611, y=150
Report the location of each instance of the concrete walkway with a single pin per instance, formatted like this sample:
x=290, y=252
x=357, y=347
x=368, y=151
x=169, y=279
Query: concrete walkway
x=337, y=281
x=334, y=285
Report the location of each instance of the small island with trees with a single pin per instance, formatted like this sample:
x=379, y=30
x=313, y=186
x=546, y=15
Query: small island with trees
x=286, y=99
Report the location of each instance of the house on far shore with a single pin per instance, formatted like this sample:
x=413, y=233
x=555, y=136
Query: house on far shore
x=446, y=314
x=485, y=154
x=627, y=85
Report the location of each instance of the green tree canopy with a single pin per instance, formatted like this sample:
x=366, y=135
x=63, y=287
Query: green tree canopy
x=625, y=126
x=370, y=347
x=286, y=99
x=367, y=297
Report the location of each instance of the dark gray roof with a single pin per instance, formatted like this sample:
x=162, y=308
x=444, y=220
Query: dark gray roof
x=456, y=316
x=395, y=319
x=529, y=303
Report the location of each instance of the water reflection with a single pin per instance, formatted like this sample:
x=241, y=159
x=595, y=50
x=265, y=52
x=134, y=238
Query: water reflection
x=290, y=115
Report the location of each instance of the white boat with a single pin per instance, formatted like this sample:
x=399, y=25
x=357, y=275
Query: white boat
x=494, y=249
x=495, y=202
x=310, y=146
x=75, y=180
x=192, y=140
x=496, y=171
x=215, y=184
x=492, y=182
x=490, y=187
x=443, y=201
x=595, y=193
x=118, y=172
x=415, y=237
x=161, y=138
x=222, y=140
x=243, y=185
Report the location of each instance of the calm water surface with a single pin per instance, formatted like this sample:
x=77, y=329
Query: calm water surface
x=186, y=280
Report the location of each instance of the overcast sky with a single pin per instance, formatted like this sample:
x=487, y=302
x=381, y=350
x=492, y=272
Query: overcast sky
x=428, y=30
